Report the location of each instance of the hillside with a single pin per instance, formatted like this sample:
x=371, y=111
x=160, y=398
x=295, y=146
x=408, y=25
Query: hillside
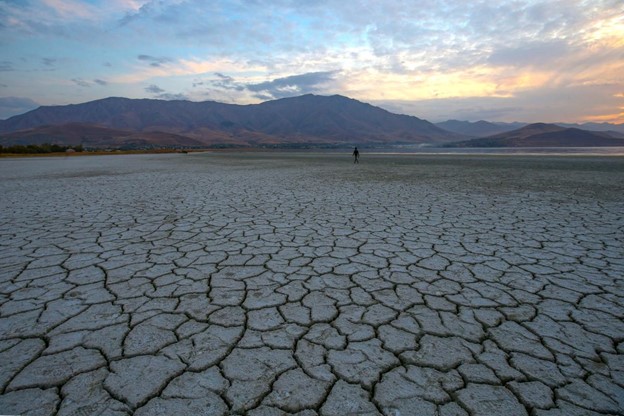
x=94, y=136
x=479, y=128
x=543, y=135
x=305, y=119
x=604, y=127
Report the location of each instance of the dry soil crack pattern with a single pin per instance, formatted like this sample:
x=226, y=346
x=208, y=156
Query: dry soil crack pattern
x=272, y=284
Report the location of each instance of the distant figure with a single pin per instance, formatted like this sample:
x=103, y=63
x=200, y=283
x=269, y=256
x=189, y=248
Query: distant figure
x=356, y=156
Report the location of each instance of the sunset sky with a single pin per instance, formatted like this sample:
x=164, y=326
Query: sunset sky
x=520, y=60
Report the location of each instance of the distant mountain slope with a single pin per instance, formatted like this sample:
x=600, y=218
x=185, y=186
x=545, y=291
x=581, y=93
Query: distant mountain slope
x=479, y=128
x=304, y=119
x=94, y=136
x=606, y=127
x=122, y=113
x=337, y=116
x=543, y=135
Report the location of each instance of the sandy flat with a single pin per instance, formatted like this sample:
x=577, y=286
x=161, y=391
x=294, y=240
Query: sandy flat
x=300, y=283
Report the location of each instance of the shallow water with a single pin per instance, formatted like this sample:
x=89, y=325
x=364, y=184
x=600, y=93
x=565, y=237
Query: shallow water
x=553, y=151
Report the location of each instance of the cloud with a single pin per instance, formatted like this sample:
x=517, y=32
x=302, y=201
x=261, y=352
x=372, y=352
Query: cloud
x=154, y=89
x=48, y=61
x=170, y=96
x=100, y=82
x=154, y=61
x=153, y=8
x=538, y=54
x=243, y=88
x=11, y=106
x=556, y=104
x=186, y=67
x=70, y=9
x=470, y=109
x=54, y=18
x=227, y=82
x=81, y=82
x=381, y=50
x=447, y=49
x=161, y=94
x=292, y=85
x=6, y=66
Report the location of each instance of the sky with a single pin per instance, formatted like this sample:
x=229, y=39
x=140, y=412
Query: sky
x=506, y=60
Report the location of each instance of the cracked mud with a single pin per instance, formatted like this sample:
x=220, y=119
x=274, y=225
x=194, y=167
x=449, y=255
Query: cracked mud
x=270, y=284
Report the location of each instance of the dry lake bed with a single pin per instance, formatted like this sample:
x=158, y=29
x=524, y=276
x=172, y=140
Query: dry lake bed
x=277, y=283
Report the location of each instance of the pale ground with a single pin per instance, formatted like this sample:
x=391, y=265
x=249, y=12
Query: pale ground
x=269, y=284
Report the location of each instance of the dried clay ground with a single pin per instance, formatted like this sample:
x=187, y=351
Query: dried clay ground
x=271, y=284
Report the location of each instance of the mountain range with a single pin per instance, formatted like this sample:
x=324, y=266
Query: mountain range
x=545, y=135
x=308, y=119
x=482, y=128
x=304, y=121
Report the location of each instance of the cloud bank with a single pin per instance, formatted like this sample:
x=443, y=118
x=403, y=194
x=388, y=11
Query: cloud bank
x=473, y=58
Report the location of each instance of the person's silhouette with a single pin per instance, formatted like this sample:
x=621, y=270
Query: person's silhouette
x=356, y=155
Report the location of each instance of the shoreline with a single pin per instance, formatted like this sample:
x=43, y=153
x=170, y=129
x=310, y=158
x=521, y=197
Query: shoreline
x=506, y=152
x=96, y=153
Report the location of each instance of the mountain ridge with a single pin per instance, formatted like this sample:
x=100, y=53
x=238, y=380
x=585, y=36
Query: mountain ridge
x=483, y=128
x=303, y=119
x=543, y=135
x=479, y=128
x=306, y=120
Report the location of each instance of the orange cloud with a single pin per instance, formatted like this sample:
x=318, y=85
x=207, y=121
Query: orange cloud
x=185, y=67
x=608, y=32
x=479, y=81
x=607, y=118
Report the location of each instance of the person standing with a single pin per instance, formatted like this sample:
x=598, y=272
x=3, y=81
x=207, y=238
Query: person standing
x=356, y=155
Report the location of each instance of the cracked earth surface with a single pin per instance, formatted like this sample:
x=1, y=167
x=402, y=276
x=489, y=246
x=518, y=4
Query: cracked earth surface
x=270, y=284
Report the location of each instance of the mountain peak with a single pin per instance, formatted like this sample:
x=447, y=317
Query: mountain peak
x=535, y=128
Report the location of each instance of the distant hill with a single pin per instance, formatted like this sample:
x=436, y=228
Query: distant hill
x=479, y=128
x=543, y=135
x=95, y=136
x=606, y=127
x=298, y=120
